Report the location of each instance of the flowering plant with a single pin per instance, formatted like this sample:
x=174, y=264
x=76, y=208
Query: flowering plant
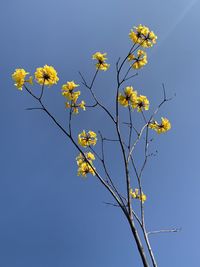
x=91, y=161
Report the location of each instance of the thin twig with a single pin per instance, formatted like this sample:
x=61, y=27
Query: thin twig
x=165, y=99
x=70, y=120
x=97, y=102
x=130, y=77
x=34, y=109
x=106, y=170
x=174, y=230
x=42, y=90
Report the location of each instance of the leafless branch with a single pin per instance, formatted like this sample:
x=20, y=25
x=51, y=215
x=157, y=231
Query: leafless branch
x=34, y=108
x=174, y=230
x=130, y=77
x=97, y=102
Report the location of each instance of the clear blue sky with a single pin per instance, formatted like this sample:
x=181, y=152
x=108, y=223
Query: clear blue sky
x=50, y=217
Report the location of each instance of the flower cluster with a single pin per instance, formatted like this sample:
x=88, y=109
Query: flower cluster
x=87, y=139
x=101, y=58
x=135, y=194
x=139, y=61
x=68, y=91
x=163, y=127
x=128, y=98
x=143, y=36
x=75, y=106
x=132, y=99
x=80, y=159
x=46, y=75
x=85, y=164
x=141, y=103
x=71, y=95
x=19, y=77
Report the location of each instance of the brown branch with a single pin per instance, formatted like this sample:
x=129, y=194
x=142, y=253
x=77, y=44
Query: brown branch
x=106, y=171
x=97, y=102
x=165, y=99
x=42, y=91
x=130, y=77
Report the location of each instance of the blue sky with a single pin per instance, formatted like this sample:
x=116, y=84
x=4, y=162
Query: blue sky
x=48, y=215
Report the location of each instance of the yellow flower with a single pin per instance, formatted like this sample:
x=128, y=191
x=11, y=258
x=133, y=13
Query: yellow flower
x=143, y=36
x=68, y=91
x=70, y=95
x=129, y=97
x=131, y=57
x=140, y=60
x=75, y=106
x=46, y=75
x=82, y=105
x=143, y=198
x=87, y=139
x=69, y=86
x=83, y=166
x=163, y=127
x=102, y=66
x=135, y=194
x=89, y=156
x=141, y=103
x=19, y=77
x=67, y=105
x=101, y=58
x=84, y=169
x=30, y=80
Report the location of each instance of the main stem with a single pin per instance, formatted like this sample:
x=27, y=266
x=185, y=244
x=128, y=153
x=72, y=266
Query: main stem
x=138, y=242
x=149, y=247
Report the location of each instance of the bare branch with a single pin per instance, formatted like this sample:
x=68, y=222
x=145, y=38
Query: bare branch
x=84, y=81
x=70, y=120
x=110, y=140
x=106, y=171
x=164, y=92
x=111, y=204
x=42, y=91
x=130, y=77
x=174, y=230
x=136, y=141
x=160, y=105
x=94, y=96
x=34, y=109
x=91, y=106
